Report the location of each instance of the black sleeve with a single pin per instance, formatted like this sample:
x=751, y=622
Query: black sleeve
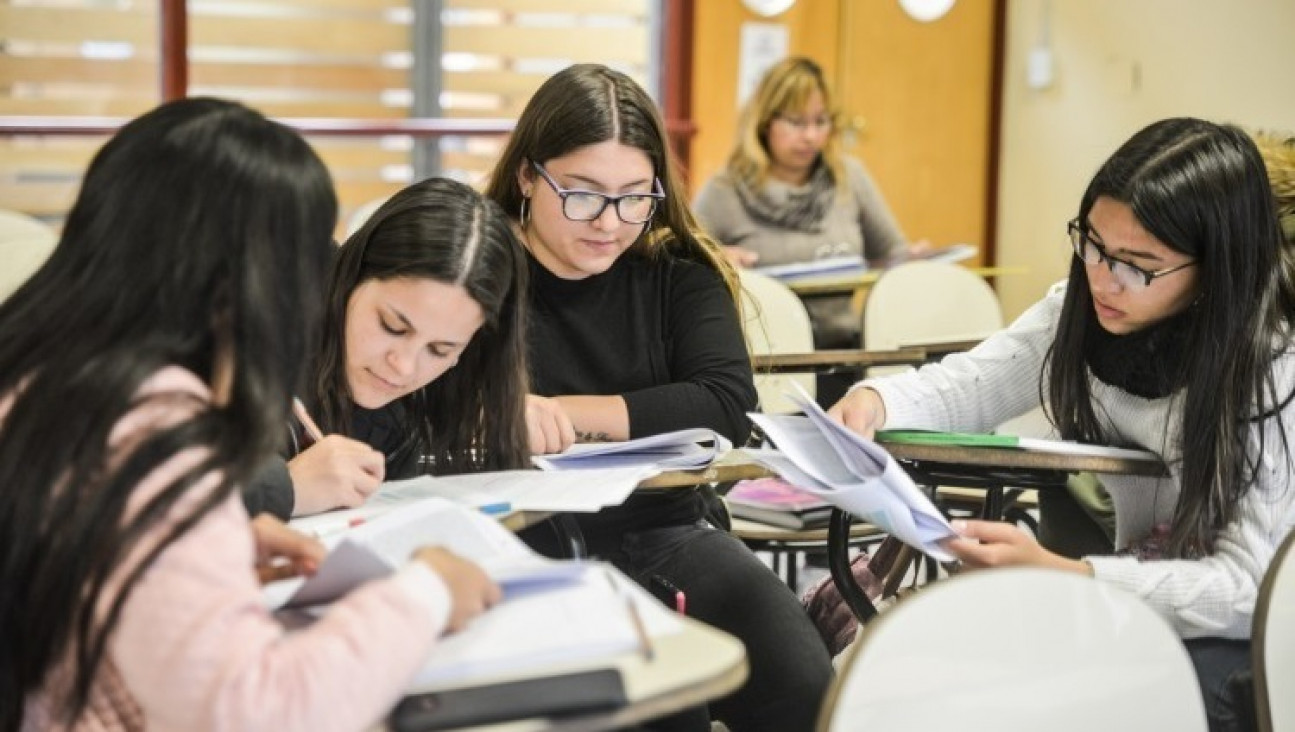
x=270, y=490
x=710, y=370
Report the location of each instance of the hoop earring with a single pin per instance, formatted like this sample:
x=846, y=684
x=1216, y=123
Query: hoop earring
x=524, y=216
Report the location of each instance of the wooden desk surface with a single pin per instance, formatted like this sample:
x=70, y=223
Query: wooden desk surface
x=1021, y=459
x=848, y=284
x=735, y=465
x=689, y=668
x=827, y=359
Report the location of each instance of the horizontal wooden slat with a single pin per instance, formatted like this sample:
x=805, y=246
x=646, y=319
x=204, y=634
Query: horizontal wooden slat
x=74, y=25
x=492, y=82
x=118, y=106
x=39, y=199
x=350, y=36
x=135, y=72
x=637, y=8
x=134, y=107
x=623, y=45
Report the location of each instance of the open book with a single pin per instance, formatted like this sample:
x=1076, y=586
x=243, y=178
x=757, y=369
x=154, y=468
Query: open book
x=853, y=473
x=1035, y=444
x=689, y=449
x=374, y=547
x=554, y=613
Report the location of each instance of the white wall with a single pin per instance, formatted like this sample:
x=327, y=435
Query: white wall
x=1118, y=65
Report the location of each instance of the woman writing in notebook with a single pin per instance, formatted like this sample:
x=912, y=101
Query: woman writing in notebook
x=422, y=335
x=128, y=427
x=634, y=332
x=1172, y=334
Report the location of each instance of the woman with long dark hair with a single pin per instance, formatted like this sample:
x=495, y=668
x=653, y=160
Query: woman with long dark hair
x=1172, y=334
x=422, y=361
x=146, y=371
x=635, y=331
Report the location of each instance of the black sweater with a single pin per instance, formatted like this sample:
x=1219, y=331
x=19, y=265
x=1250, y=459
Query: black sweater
x=664, y=335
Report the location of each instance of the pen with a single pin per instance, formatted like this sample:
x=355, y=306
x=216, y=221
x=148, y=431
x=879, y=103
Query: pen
x=645, y=642
x=495, y=509
x=307, y=423
x=680, y=599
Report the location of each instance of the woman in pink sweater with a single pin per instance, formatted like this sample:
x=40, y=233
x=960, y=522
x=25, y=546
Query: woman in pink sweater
x=147, y=370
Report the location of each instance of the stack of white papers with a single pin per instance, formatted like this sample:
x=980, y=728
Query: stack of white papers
x=690, y=449
x=839, y=266
x=853, y=473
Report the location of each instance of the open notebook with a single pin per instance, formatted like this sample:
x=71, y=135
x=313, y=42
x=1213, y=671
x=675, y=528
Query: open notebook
x=554, y=613
x=688, y=449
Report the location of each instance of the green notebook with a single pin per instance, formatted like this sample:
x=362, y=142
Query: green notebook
x=1035, y=444
x=960, y=439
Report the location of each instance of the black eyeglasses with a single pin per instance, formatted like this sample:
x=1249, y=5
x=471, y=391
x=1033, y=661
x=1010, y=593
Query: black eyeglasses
x=1130, y=276
x=582, y=205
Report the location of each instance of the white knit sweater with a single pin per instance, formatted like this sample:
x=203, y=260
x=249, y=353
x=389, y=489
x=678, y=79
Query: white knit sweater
x=999, y=379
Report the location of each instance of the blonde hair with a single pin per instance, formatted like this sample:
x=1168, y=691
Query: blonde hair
x=784, y=89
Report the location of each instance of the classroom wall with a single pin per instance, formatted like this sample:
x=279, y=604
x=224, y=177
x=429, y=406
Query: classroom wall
x=1120, y=64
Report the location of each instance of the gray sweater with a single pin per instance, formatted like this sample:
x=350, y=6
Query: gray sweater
x=1212, y=596
x=858, y=223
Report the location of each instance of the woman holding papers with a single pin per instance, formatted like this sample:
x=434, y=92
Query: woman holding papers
x=147, y=370
x=635, y=332
x=1172, y=334
x=789, y=194
x=422, y=335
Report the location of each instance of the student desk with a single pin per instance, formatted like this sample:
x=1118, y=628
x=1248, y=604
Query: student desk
x=689, y=668
x=993, y=469
x=857, y=283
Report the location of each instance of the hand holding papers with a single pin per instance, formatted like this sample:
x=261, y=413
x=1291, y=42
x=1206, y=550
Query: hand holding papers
x=853, y=473
x=679, y=450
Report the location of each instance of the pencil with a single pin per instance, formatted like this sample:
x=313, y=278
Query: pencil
x=307, y=423
x=645, y=641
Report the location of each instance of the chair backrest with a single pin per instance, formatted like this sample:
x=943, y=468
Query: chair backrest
x=361, y=214
x=25, y=243
x=926, y=302
x=775, y=322
x=1017, y=649
x=1273, y=656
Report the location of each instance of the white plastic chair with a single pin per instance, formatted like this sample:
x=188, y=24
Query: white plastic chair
x=25, y=244
x=775, y=322
x=361, y=214
x=928, y=302
x=1273, y=656
x=1012, y=650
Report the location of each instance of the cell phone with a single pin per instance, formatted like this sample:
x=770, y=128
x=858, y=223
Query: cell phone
x=582, y=692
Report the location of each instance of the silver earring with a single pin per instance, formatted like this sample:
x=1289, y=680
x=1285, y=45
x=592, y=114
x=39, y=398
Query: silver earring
x=524, y=216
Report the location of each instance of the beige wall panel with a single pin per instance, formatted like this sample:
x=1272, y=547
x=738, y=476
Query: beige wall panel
x=1119, y=65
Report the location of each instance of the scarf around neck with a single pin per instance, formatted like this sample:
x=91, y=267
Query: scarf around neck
x=799, y=208
x=1148, y=363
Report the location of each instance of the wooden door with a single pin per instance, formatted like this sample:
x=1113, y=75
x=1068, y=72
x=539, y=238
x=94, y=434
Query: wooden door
x=917, y=100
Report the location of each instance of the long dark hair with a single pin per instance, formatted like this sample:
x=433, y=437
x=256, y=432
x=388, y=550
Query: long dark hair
x=186, y=244
x=586, y=104
x=473, y=416
x=1201, y=189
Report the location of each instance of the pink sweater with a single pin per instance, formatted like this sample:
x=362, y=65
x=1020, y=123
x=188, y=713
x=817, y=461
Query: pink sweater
x=195, y=648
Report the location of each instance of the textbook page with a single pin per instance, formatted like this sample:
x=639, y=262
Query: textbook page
x=689, y=449
x=374, y=548
x=574, y=624
x=852, y=473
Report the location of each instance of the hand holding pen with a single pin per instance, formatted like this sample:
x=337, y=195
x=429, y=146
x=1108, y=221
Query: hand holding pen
x=333, y=472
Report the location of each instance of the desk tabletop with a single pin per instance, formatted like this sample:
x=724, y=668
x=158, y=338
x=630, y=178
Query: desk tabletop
x=1021, y=459
x=818, y=360
x=691, y=667
x=734, y=465
x=847, y=284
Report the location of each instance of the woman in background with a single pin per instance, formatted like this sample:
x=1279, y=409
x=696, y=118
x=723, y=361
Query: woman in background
x=789, y=194
x=147, y=370
x=634, y=332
